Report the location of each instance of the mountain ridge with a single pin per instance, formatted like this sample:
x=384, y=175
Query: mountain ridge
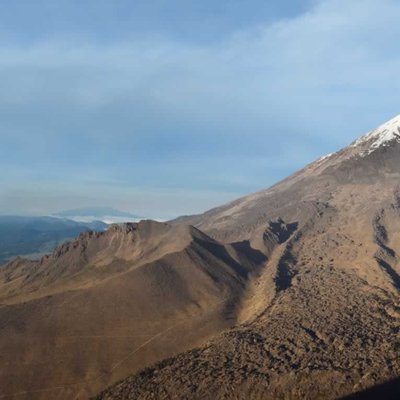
x=122, y=287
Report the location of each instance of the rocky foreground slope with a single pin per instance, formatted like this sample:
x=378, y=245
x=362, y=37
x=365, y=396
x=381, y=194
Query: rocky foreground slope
x=292, y=292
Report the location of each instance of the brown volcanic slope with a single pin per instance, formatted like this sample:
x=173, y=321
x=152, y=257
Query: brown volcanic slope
x=321, y=318
x=111, y=303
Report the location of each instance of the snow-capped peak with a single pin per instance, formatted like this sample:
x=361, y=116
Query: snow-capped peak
x=381, y=136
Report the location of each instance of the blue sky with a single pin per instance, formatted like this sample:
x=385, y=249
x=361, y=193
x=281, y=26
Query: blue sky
x=171, y=107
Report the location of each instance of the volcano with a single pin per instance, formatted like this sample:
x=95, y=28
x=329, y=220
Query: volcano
x=292, y=292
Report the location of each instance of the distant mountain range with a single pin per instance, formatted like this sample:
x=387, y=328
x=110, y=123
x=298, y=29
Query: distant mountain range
x=35, y=236
x=105, y=214
x=32, y=237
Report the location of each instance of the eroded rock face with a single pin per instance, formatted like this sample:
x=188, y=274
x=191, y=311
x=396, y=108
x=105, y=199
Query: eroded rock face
x=328, y=335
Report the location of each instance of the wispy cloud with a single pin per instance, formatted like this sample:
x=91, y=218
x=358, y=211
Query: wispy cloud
x=231, y=115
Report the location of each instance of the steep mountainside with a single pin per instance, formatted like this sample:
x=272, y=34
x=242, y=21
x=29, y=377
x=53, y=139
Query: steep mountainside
x=320, y=319
x=370, y=162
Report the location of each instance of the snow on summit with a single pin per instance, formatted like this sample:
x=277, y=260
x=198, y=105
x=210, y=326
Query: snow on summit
x=381, y=136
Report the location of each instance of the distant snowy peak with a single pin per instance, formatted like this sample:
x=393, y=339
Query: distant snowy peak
x=380, y=137
x=105, y=214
